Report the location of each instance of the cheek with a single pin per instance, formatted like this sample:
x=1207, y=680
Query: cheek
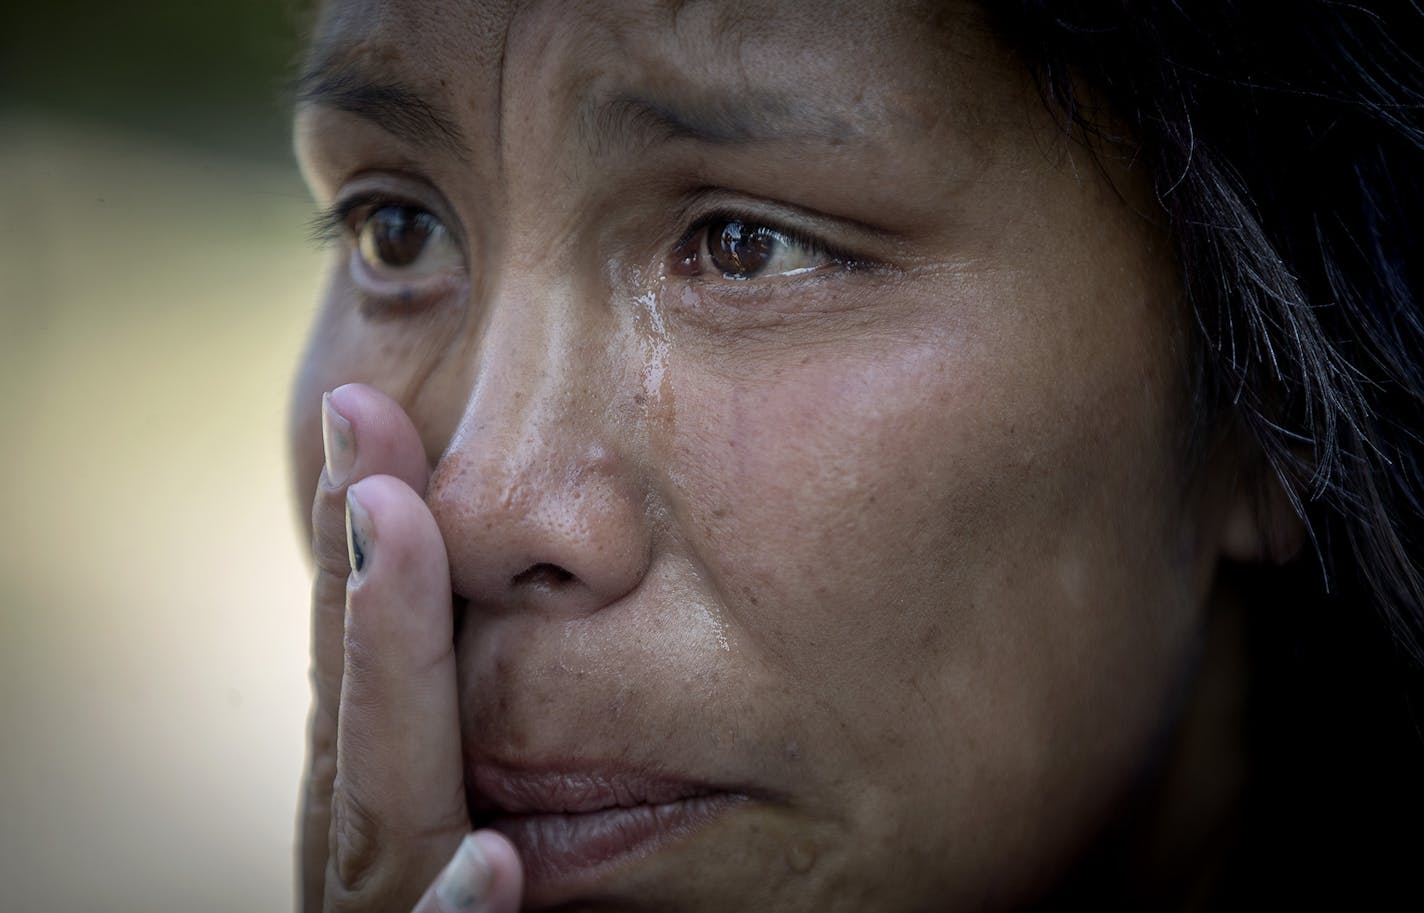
x=876, y=475
x=813, y=463
x=959, y=576
x=417, y=357
x=833, y=495
x=950, y=520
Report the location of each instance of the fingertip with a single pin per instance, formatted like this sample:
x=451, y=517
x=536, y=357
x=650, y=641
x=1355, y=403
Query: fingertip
x=398, y=591
x=506, y=871
x=364, y=433
x=381, y=486
x=482, y=876
x=389, y=517
x=353, y=396
x=463, y=886
x=385, y=438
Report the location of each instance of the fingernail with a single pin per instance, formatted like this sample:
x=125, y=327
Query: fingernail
x=358, y=532
x=465, y=881
x=337, y=441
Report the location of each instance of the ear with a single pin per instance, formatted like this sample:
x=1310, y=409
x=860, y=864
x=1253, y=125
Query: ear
x=1262, y=524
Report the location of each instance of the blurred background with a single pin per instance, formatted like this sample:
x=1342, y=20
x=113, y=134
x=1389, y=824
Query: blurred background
x=155, y=281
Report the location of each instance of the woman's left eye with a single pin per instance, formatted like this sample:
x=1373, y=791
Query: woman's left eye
x=738, y=249
x=401, y=243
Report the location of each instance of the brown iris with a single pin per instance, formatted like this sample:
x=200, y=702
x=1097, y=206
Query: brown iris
x=739, y=250
x=396, y=236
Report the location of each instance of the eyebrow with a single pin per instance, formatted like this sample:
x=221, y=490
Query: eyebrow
x=391, y=105
x=622, y=120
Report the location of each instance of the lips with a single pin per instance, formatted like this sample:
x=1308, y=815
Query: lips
x=572, y=826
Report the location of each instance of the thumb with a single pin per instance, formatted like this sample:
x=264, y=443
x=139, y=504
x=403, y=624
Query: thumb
x=484, y=876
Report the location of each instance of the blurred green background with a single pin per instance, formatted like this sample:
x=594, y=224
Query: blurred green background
x=155, y=282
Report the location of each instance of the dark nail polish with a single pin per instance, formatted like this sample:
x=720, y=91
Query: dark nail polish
x=358, y=533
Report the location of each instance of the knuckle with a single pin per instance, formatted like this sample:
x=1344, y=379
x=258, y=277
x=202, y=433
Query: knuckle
x=355, y=846
x=378, y=864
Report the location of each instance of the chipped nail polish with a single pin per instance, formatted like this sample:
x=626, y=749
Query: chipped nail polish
x=358, y=533
x=338, y=442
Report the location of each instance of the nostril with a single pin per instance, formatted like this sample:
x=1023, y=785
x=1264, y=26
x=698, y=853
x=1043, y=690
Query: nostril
x=544, y=575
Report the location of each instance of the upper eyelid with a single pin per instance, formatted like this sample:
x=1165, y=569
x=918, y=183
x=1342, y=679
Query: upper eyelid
x=812, y=242
x=729, y=215
x=329, y=224
x=710, y=201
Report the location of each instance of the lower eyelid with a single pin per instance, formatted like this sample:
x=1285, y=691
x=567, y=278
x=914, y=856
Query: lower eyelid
x=381, y=292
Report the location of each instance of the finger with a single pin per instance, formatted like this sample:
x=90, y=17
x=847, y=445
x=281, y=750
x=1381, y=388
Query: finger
x=398, y=802
x=484, y=876
x=365, y=433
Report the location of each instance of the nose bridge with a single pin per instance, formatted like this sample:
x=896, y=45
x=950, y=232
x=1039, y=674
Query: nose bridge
x=529, y=360
x=536, y=496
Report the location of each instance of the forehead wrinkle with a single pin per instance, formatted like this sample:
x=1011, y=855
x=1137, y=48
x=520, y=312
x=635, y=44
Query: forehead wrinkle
x=713, y=102
x=754, y=117
x=626, y=79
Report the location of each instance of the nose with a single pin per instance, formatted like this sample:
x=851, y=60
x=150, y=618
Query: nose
x=536, y=495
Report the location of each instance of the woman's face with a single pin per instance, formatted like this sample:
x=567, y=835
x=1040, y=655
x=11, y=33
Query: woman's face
x=806, y=415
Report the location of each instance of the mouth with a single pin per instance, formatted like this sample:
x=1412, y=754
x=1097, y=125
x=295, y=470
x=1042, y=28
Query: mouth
x=572, y=827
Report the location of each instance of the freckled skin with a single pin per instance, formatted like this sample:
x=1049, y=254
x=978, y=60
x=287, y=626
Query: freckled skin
x=910, y=552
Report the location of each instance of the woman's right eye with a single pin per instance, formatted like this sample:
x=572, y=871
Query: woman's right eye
x=403, y=244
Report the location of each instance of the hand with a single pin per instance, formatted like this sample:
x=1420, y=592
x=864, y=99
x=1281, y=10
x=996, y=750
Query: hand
x=384, y=806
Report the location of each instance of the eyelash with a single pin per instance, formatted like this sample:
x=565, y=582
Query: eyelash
x=332, y=224
x=797, y=236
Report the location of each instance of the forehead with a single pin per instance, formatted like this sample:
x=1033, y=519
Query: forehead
x=867, y=54
x=480, y=32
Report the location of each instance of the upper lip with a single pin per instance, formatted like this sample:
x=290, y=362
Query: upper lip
x=574, y=789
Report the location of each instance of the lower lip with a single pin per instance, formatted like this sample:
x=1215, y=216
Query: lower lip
x=561, y=850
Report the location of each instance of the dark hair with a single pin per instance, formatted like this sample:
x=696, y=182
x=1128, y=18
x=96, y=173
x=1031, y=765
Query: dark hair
x=1286, y=144
x=1287, y=147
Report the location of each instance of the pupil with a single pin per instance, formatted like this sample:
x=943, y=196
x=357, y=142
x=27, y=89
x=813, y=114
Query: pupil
x=399, y=234
x=738, y=250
